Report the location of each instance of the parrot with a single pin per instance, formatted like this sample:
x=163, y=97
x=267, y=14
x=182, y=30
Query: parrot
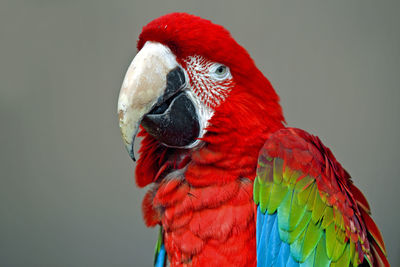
x=229, y=183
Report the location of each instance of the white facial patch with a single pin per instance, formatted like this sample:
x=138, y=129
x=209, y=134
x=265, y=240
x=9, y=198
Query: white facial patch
x=208, y=88
x=209, y=85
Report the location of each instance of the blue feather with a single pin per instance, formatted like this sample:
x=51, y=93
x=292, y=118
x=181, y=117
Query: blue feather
x=160, y=257
x=274, y=244
x=262, y=245
x=264, y=231
x=283, y=256
x=260, y=221
x=291, y=262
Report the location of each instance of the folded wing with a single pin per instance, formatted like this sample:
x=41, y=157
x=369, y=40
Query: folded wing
x=309, y=212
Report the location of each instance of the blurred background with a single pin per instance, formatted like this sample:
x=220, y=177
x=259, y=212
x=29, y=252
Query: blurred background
x=67, y=190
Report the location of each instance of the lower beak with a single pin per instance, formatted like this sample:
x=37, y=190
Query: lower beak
x=152, y=95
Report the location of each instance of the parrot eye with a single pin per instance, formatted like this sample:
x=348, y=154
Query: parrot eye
x=221, y=71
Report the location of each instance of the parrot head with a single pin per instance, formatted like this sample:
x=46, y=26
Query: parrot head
x=193, y=89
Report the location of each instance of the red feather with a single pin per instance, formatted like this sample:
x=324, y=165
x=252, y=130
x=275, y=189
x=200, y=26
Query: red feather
x=151, y=216
x=374, y=231
x=379, y=257
x=360, y=198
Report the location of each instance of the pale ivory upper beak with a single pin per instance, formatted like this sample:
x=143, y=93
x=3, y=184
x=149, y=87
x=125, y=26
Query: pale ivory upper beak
x=144, y=82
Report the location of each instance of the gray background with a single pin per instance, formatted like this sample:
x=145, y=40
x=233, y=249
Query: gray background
x=67, y=193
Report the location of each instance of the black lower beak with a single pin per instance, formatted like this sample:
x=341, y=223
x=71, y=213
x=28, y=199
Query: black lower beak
x=174, y=120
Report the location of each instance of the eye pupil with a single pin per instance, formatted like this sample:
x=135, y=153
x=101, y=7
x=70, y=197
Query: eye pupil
x=221, y=70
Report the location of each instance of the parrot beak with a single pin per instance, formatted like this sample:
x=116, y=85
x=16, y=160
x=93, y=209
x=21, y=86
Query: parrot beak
x=152, y=95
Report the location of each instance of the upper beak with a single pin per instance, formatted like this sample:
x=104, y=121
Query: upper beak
x=143, y=86
x=153, y=95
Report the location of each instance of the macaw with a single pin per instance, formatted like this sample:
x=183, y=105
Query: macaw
x=230, y=184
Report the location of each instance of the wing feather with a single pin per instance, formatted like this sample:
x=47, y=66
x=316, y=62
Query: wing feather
x=311, y=212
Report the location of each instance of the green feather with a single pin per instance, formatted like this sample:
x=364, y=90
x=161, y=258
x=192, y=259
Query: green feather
x=321, y=257
x=341, y=235
x=278, y=168
x=306, y=243
x=318, y=257
x=311, y=239
x=284, y=212
x=291, y=236
x=355, y=259
x=311, y=198
x=256, y=191
x=304, y=195
x=295, y=247
x=344, y=260
x=286, y=173
x=330, y=240
x=290, y=212
x=293, y=178
x=339, y=248
x=309, y=262
x=352, y=251
x=303, y=183
x=278, y=193
x=296, y=212
x=327, y=218
x=334, y=247
x=318, y=209
x=264, y=196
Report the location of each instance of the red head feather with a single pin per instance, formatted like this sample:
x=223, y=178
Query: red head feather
x=188, y=35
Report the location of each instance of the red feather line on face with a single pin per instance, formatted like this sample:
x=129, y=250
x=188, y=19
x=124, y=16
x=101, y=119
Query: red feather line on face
x=211, y=92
